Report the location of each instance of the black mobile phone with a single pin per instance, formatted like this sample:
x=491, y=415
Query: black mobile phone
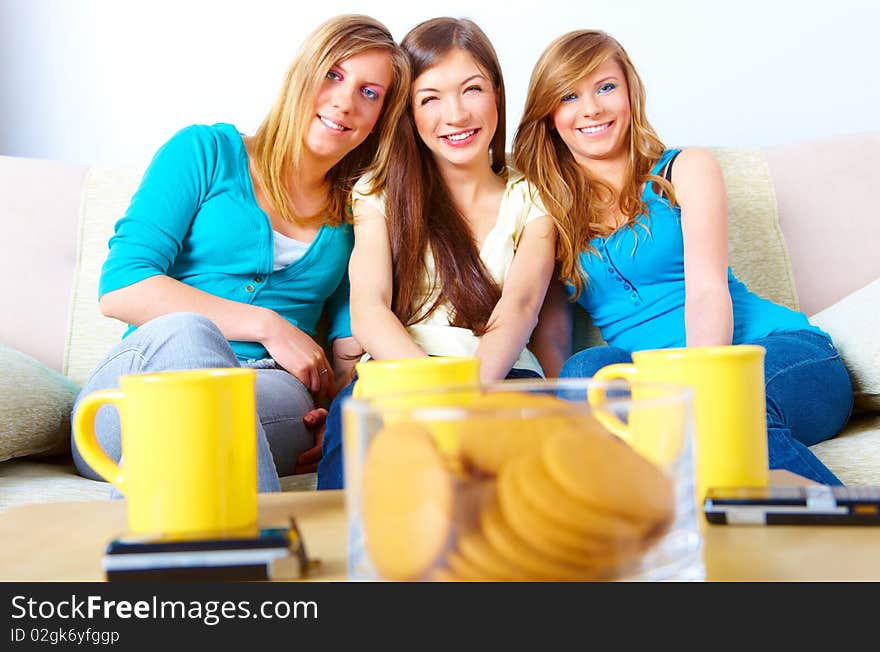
x=793, y=505
x=267, y=538
x=271, y=553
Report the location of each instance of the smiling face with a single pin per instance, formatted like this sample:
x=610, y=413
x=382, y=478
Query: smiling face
x=455, y=110
x=593, y=118
x=348, y=104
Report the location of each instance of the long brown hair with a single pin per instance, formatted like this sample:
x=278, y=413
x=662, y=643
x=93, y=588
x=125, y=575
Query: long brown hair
x=420, y=210
x=278, y=143
x=574, y=200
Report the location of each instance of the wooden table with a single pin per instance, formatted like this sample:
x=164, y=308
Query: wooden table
x=65, y=542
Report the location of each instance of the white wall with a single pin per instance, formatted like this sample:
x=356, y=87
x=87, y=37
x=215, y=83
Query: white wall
x=107, y=81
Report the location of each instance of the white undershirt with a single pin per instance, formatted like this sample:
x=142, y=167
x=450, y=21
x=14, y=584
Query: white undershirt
x=287, y=250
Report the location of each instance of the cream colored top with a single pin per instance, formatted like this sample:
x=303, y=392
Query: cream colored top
x=519, y=206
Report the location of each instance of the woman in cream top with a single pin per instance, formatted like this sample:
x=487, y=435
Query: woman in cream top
x=452, y=253
x=433, y=333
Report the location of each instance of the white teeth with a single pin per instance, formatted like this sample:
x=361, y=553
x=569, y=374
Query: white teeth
x=461, y=136
x=331, y=124
x=595, y=130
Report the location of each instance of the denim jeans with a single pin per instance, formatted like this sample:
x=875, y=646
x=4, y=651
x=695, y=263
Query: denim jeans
x=809, y=395
x=191, y=341
x=331, y=466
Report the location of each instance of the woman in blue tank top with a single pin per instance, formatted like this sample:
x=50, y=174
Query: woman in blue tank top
x=643, y=247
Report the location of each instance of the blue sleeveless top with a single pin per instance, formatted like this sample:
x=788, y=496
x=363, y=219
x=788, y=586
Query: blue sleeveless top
x=634, y=286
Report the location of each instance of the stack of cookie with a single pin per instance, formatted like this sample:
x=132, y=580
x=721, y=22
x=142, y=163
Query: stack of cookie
x=539, y=491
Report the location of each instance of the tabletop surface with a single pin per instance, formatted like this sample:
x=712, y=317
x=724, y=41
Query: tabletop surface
x=65, y=542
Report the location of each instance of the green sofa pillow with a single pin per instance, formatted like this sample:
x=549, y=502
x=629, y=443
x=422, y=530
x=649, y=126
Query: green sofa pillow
x=35, y=405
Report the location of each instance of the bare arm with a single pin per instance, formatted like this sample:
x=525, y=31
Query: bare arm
x=290, y=347
x=373, y=323
x=346, y=353
x=700, y=191
x=551, y=340
x=516, y=313
x=159, y=295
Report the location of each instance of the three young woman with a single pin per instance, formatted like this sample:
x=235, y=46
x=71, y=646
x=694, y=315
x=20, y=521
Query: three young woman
x=452, y=253
x=233, y=245
x=642, y=247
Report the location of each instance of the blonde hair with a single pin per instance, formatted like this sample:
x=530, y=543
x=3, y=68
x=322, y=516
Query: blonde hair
x=573, y=199
x=278, y=145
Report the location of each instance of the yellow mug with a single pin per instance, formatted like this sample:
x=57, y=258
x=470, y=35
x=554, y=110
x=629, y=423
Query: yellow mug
x=387, y=382
x=386, y=378
x=729, y=408
x=189, y=449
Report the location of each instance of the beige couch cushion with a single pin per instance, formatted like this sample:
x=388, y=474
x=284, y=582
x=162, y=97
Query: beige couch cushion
x=837, y=205
x=35, y=404
x=31, y=480
x=757, y=249
x=106, y=195
x=852, y=324
x=854, y=455
x=45, y=481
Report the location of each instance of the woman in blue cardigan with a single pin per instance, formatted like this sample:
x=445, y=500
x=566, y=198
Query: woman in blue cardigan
x=233, y=245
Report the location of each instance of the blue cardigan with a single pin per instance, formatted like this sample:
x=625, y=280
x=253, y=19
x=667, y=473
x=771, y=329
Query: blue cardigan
x=196, y=219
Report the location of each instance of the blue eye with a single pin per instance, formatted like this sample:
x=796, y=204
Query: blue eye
x=473, y=88
x=370, y=94
x=569, y=97
x=606, y=88
x=335, y=76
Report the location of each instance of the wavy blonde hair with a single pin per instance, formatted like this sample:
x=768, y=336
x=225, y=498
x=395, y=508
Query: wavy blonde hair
x=279, y=142
x=573, y=199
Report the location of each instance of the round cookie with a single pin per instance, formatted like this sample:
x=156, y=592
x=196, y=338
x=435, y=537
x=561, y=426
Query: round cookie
x=474, y=547
x=533, y=562
x=551, y=500
x=407, y=501
x=604, y=472
x=554, y=540
x=501, y=425
x=443, y=574
x=463, y=569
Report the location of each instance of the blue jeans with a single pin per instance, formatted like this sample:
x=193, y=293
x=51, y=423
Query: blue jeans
x=191, y=341
x=331, y=466
x=809, y=395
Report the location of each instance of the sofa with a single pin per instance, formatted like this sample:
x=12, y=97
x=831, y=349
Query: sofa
x=803, y=227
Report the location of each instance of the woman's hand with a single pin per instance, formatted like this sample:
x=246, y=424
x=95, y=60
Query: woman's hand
x=299, y=355
x=315, y=421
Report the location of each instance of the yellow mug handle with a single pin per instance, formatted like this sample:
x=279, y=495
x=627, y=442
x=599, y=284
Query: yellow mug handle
x=87, y=441
x=596, y=396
